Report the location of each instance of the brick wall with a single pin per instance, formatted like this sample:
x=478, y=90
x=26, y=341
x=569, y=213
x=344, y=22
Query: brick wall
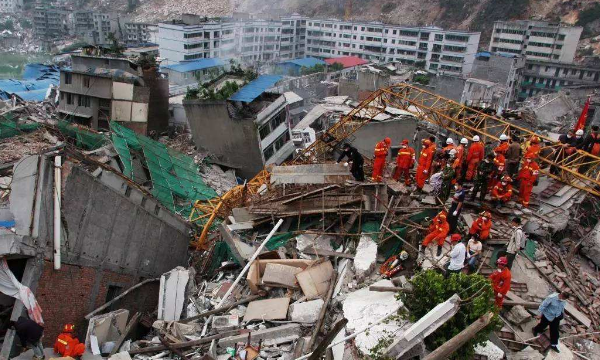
x=68, y=294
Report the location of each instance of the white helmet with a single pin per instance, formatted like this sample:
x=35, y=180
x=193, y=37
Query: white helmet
x=503, y=137
x=449, y=141
x=579, y=132
x=452, y=152
x=464, y=141
x=476, y=138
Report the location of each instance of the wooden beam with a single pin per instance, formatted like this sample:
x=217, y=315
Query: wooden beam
x=130, y=325
x=221, y=309
x=171, y=348
x=323, y=312
x=449, y=347
x=322, y=347
x=186, y=344
x=388, y=289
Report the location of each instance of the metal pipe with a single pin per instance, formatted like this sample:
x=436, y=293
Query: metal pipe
x=57, y=197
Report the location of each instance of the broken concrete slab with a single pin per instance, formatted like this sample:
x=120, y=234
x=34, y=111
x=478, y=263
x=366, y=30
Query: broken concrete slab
x=518, y=315
x=314, y=281
x=269, y=309
x=426, y=325
x=279, y=275
x=225, y=323
x=363, y=307
x=171, y=294
x=321, y=242
x=107, y=327
x=490, y=351
x=258, y=267
x=123, y=355
x=272, y=336
x=565, y=354
x=306, y=312
x=310, y=174
x=365, y=258
x=528, y=353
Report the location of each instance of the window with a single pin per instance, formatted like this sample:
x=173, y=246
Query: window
x=454, y=37
x=83, y=101
x=264, y=131
x=69, y=99
x=68, y=78
x=439, y=37
x=269, y=152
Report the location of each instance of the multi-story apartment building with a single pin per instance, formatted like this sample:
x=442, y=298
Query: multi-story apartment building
x=248, y=40
x=96, y=29
x=10, y=6
x=541, y=77
x=537, y=40
x=437, y=50
x=139, y=33
x=51, y=22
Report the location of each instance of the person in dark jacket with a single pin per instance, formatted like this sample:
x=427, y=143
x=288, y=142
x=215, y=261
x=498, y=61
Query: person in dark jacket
x=513, y=157
x=30, y=334
x=482, y=177
x=356, y=159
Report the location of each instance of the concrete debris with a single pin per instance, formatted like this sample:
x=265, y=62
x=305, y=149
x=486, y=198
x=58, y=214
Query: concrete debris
x=315, y=280
x=528, y=353
x=490, y=351
x=306, y=312
x=172, y=294
x=270, y=309
x=366, y=257
x=518, y=315
x=305, y=241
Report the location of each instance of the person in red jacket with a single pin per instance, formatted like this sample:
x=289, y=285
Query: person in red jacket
x=482, y=226
x=502, y=192
x=501, y=281
x=68, y=345
x=459, y=159
x=527, y=177
x=379, y=164
x=404, y=162
x=425, y=160
x=474, y=156
x=534, y=147
x=499, y=167
x=438, y=230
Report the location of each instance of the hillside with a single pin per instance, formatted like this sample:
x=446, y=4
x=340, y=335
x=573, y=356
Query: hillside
x=477, y=15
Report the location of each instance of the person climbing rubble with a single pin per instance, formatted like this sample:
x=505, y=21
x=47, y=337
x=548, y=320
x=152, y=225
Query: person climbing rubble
x=552, y=311
x=527, y=177
x=380, y=162
x=484, y=171
x=425, y=160
x=474, y=156
x=438, y=230
x=502, y=192
x=516, y=242
x=30, y=334
x=356, y=161
x=404, y=162
x=501, y=281
x=482, y=226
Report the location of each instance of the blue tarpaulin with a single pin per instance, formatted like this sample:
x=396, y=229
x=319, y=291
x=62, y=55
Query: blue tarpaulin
x=195, y=65
x=306, y=62
x=37, y=78
x=255, y=88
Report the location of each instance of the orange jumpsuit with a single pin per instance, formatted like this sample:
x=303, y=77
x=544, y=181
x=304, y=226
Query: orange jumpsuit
x=502, y=192
x=501, y=284
x=404, y=162
x=502, y=148
x=438, y=233
x=66, y=345
x=481, y=227
x=533, y=150
x=474, y=156
x=527, y=176
x=436, y=219
x=425, y=160
x=381, y=151
x=500, y=164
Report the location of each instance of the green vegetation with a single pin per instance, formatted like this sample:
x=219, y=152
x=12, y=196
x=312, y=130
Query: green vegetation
x=336, y=66
x=421, y=79
x=587, y=17
x=224, y=93
x=74, y=46
x=115, y=47
x=25, y=23
x=477, y=299
x=7, y=25
x=420, y=64
x=312, y=70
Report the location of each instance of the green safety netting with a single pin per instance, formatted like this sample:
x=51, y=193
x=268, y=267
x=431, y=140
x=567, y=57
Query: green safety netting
x=83, y=138
x=9, y=127
x=176, y=181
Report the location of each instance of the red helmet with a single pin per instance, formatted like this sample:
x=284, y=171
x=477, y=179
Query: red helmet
x=426, y=142
x=529, y=156
x=68, y=328
x=455, y=237
x=387, y=140
x=502, y=261
x=486, y=214
x=405, y=142
x=507, y=179
x=535, y=139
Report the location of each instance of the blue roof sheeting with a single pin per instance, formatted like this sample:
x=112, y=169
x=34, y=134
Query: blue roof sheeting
x=255, y=88
x=37, y=79
x=306, y=62
x=194, y=65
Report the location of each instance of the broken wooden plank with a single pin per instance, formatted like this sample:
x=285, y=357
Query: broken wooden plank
x=130, y=325
x=307, y=194
x=171, y=348
x=316, y=355
x=388, y=289
x=186, y=344
x=323, y=311
x=221, y=309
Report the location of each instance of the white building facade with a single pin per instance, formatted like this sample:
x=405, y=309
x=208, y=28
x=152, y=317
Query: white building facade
x=10, y=6
x=537, y=40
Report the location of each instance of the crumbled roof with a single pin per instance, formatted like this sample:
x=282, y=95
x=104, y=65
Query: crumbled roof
x=306, y=62
x=115, y=74
x=255, y=88
x=347, y=61
x=195, y=65
x=37, y=78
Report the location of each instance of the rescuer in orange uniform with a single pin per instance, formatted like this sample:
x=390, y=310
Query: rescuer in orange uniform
x=459, y=160
x=482, y=226
x=502, y=192
x=499, y=160
x=474, y=156
x=527, y=176
x=425, y=160
x=438, y=230
x=379, y=164
x=68, y=345
x=534, y=147
x=501, y=281
x=404, y=162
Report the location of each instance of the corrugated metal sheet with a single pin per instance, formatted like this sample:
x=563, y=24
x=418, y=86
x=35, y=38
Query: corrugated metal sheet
x=347, y=61
x=306, y=62
x=37, y=78
x=255, y=88
x=194, y=65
